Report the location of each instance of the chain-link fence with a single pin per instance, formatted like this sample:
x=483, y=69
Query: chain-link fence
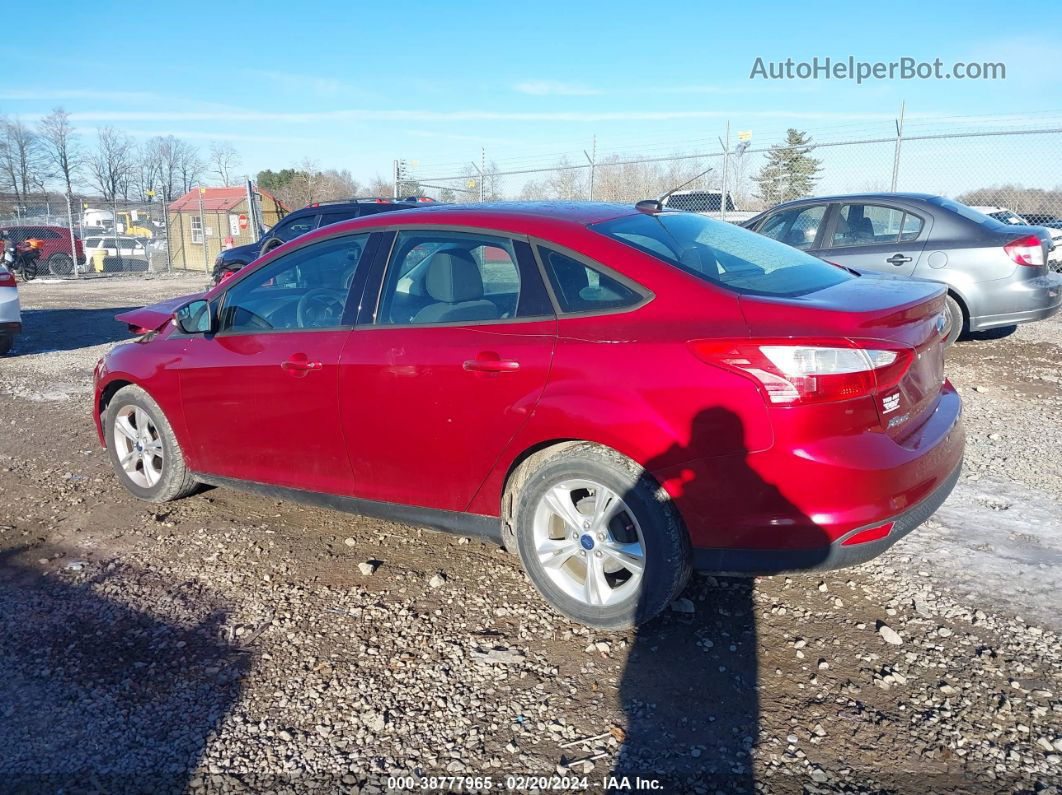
x=92, y=236
x=996, y=164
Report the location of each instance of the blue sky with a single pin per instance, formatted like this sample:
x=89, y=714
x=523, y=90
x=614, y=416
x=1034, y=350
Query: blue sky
x=354, y=85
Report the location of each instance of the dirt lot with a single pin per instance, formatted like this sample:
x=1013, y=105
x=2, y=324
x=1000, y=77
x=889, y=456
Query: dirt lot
x=232, y=642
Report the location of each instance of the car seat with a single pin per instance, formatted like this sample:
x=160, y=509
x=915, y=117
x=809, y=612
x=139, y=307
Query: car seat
x=454, y=283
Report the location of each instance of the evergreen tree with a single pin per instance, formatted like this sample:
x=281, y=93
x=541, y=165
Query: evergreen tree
x=790, y=172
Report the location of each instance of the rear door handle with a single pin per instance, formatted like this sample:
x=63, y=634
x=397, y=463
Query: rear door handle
x=898, y=259
x=491, y=363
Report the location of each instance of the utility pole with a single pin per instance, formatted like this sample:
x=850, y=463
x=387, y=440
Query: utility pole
x=726, y=161
x=896, y=155
x=70, y=229
x=592, y=158
x=394, y=193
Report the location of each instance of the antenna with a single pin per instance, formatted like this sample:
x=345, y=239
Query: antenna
x=663, y=198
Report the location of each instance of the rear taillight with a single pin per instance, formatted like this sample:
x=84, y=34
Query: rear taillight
x=791, y=372
x=7, y=279
x=1026, y=250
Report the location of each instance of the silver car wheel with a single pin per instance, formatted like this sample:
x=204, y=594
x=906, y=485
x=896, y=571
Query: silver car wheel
x=138, y=445
x=588, y=542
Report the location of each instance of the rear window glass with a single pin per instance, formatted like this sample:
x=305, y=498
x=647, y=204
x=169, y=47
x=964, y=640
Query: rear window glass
x=969, y=213
x=724, y=254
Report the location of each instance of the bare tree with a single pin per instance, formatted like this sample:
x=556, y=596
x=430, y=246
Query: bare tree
x=60, y=147
x=21, y=161
x=224, y=158
x=111, y=164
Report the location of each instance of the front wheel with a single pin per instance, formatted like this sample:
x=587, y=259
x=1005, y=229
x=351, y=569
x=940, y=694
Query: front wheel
x=143, y=449
x=29, y=270
x=599, y=538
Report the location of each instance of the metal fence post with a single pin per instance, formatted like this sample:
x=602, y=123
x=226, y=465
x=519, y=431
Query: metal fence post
x=166, y=230
x=593, y=163
x=896, y=154
x=70, y=229
x=722, y=178
x=202, y=228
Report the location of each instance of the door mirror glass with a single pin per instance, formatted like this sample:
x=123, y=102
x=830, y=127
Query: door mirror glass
x=195, y=318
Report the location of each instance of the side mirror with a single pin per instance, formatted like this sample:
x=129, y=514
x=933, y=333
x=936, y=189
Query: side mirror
x=195, y=318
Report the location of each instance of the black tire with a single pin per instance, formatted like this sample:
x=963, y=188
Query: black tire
x=666, y=544
x=60, y=264
x=29, y=271
x=956, y=320
x=176, y=480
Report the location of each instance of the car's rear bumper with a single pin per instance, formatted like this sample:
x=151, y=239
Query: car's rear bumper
x=836, y=555
x=1020, y=301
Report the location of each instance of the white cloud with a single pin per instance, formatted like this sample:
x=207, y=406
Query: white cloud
x=556, y=88
x=368, y=115
x=290, y=81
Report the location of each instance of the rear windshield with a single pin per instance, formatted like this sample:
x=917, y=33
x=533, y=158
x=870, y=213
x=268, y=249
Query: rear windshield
x=969, y=213
x=724, y=254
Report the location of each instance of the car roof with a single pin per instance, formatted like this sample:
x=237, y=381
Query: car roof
x=581, y=213
x=880, y=196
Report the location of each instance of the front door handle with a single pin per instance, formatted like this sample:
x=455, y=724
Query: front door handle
x=298, y=364
x=898, y=259
x=491, y=363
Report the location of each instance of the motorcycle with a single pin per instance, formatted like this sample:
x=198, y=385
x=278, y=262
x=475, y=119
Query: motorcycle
x=22, y=257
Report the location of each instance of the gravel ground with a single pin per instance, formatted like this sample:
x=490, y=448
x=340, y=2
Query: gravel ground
x=232, y=642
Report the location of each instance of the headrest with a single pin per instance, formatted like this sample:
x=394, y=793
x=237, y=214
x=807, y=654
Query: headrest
x=453, y=277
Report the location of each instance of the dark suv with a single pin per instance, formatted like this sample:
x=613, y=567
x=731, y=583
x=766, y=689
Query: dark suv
x=305, y=220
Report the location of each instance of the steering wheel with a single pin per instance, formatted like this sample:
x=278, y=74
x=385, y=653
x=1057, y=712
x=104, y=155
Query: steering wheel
x=320, y=306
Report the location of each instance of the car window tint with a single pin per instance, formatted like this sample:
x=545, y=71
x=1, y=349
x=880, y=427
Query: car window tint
x=307, y=289
x=912, y=227
x=867, y=225
x=580, y=288
x=796, y=227
x=332, y=218
x=450, y=277
x=292, y=228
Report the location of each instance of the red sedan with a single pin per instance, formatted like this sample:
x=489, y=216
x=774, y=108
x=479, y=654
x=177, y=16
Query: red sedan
x=618, y=394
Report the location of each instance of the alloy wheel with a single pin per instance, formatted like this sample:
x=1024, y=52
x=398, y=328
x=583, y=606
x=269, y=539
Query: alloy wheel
x=588, y=542
x=139, y=446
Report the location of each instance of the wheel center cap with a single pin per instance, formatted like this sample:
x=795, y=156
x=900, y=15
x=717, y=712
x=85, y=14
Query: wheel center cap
x=139, y=447
x=586, y=541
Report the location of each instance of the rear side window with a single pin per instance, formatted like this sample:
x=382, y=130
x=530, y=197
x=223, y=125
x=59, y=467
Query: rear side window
x=867, y=225
x=912, y=227
x=580, y=288
x=333, y=218
x=292, y=228
x=724, y=254
x=452, y=277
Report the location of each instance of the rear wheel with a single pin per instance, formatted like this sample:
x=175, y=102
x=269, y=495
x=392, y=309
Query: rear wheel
x=956, y=320
x=599, y=539
x=143, y=449
x=60, y=264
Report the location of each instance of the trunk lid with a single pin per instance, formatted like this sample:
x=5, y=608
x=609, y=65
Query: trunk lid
x=151, y=318
x=875, y=312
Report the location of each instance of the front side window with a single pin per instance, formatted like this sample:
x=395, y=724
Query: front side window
x=451, y=277
x=307, y=289
x=724, y=254
x=580, y=288
x=797, y=227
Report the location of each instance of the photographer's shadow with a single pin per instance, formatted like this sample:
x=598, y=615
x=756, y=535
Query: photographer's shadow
x=690, y=687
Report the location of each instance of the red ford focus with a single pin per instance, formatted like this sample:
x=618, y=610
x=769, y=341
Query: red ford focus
x=618, y=394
